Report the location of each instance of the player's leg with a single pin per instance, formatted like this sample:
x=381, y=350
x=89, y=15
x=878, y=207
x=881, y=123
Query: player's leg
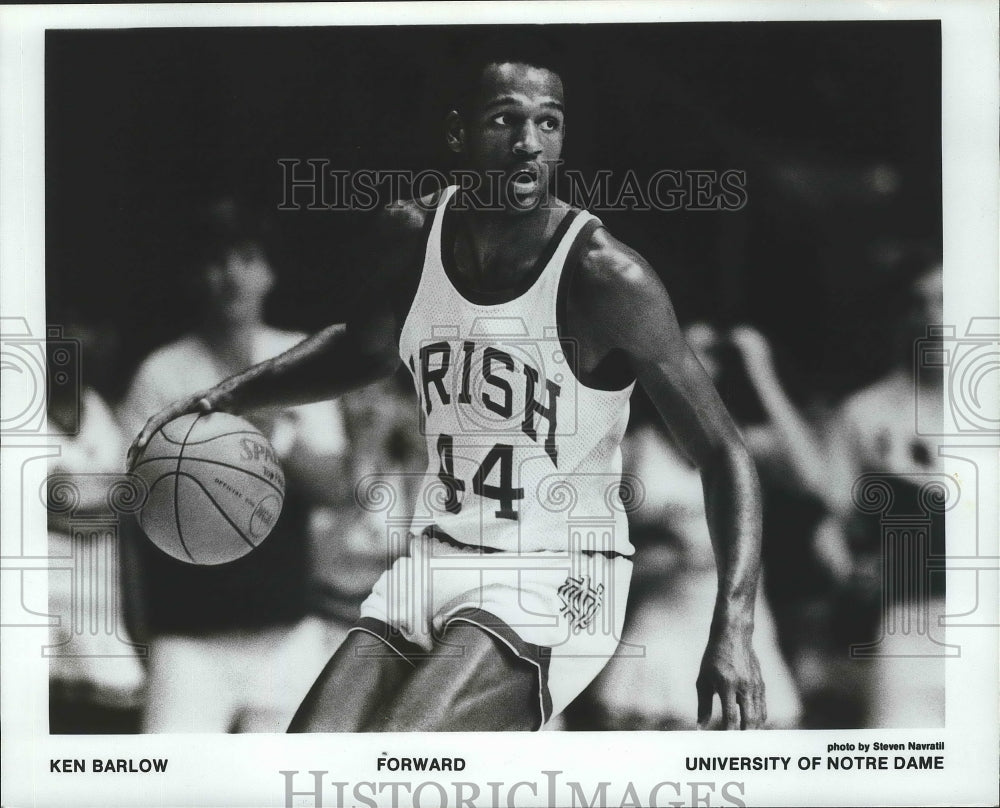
x=359, y=680
x=483, y=674
x=471, y=681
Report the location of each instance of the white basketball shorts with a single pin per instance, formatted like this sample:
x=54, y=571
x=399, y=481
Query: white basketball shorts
x=561, y=611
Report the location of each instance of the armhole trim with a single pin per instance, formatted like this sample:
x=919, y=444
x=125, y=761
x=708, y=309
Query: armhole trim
x=562, y=306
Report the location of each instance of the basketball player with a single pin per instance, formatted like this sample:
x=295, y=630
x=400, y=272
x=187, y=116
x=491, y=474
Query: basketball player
x=525, y=329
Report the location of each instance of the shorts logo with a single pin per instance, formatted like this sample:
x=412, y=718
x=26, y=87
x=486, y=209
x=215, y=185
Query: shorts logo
x=581, y=601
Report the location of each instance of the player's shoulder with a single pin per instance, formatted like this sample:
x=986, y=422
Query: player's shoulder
x=399, y=234
x=607, y=267
x=405, y=218
x=877, y=399
x=394, y=242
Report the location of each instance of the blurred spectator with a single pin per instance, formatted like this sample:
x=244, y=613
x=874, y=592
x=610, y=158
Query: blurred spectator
x=877, y=422
x=232, y=646
x=896, y=594
x=363, y=527
x=789, y=445
x=95, y=678
x=650, y=684
x=802, y=500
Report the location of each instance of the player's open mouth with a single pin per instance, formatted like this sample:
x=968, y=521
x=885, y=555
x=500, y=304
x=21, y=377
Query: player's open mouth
x=525, y=182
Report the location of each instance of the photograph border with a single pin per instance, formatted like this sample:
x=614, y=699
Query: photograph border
x=537, y=769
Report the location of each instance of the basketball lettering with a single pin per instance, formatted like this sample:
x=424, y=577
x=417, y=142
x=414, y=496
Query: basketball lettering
x=255, y=450
x=264, y=516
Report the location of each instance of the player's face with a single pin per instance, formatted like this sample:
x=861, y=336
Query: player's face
x=237, y=283
x=515, y=127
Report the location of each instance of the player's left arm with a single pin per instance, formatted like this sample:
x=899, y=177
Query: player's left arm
x=628, y=310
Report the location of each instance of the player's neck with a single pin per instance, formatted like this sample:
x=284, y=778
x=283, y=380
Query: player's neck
x=487, y=234
x=503, y=223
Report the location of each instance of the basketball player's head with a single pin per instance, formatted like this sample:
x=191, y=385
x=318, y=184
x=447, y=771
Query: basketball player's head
x=916, y=285
x=232, y=275
x=508, y=119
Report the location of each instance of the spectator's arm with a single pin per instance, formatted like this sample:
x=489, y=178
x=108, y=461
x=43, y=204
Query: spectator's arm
x=796, y=441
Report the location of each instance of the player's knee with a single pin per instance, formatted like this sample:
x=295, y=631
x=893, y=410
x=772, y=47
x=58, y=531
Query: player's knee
x=483, y=653
x=471, y=681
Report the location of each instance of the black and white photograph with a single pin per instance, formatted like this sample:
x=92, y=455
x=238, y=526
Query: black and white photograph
x=466, y=405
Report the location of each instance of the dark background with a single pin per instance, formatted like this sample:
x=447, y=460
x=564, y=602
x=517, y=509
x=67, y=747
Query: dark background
x=836, y=124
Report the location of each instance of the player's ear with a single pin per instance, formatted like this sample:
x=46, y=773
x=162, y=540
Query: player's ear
x=454, y=132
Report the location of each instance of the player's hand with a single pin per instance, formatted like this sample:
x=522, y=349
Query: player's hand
x=730, y=668
x=213, y=400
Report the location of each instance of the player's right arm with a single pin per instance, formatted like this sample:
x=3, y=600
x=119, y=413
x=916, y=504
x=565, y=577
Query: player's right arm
x=339, y=358
x=624, y=314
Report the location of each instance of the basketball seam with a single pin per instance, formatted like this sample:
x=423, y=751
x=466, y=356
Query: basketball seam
x=211, y=499
x=208, y=440
x=249, y=473
x=151, y=486
x=177, y=511
x=218, y=507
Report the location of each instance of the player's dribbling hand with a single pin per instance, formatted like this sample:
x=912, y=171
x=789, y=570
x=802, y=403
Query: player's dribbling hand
x=730, y=668
x=213, y=400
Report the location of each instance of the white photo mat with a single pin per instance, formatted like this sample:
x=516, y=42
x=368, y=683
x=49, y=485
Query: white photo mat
x=246, y=770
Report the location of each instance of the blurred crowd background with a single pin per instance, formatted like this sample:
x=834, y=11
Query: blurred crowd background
x=169, y=258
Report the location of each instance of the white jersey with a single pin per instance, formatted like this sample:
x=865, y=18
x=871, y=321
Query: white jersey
x=522, y=455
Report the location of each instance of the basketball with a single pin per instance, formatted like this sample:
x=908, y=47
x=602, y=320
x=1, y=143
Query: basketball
x=215, y=488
